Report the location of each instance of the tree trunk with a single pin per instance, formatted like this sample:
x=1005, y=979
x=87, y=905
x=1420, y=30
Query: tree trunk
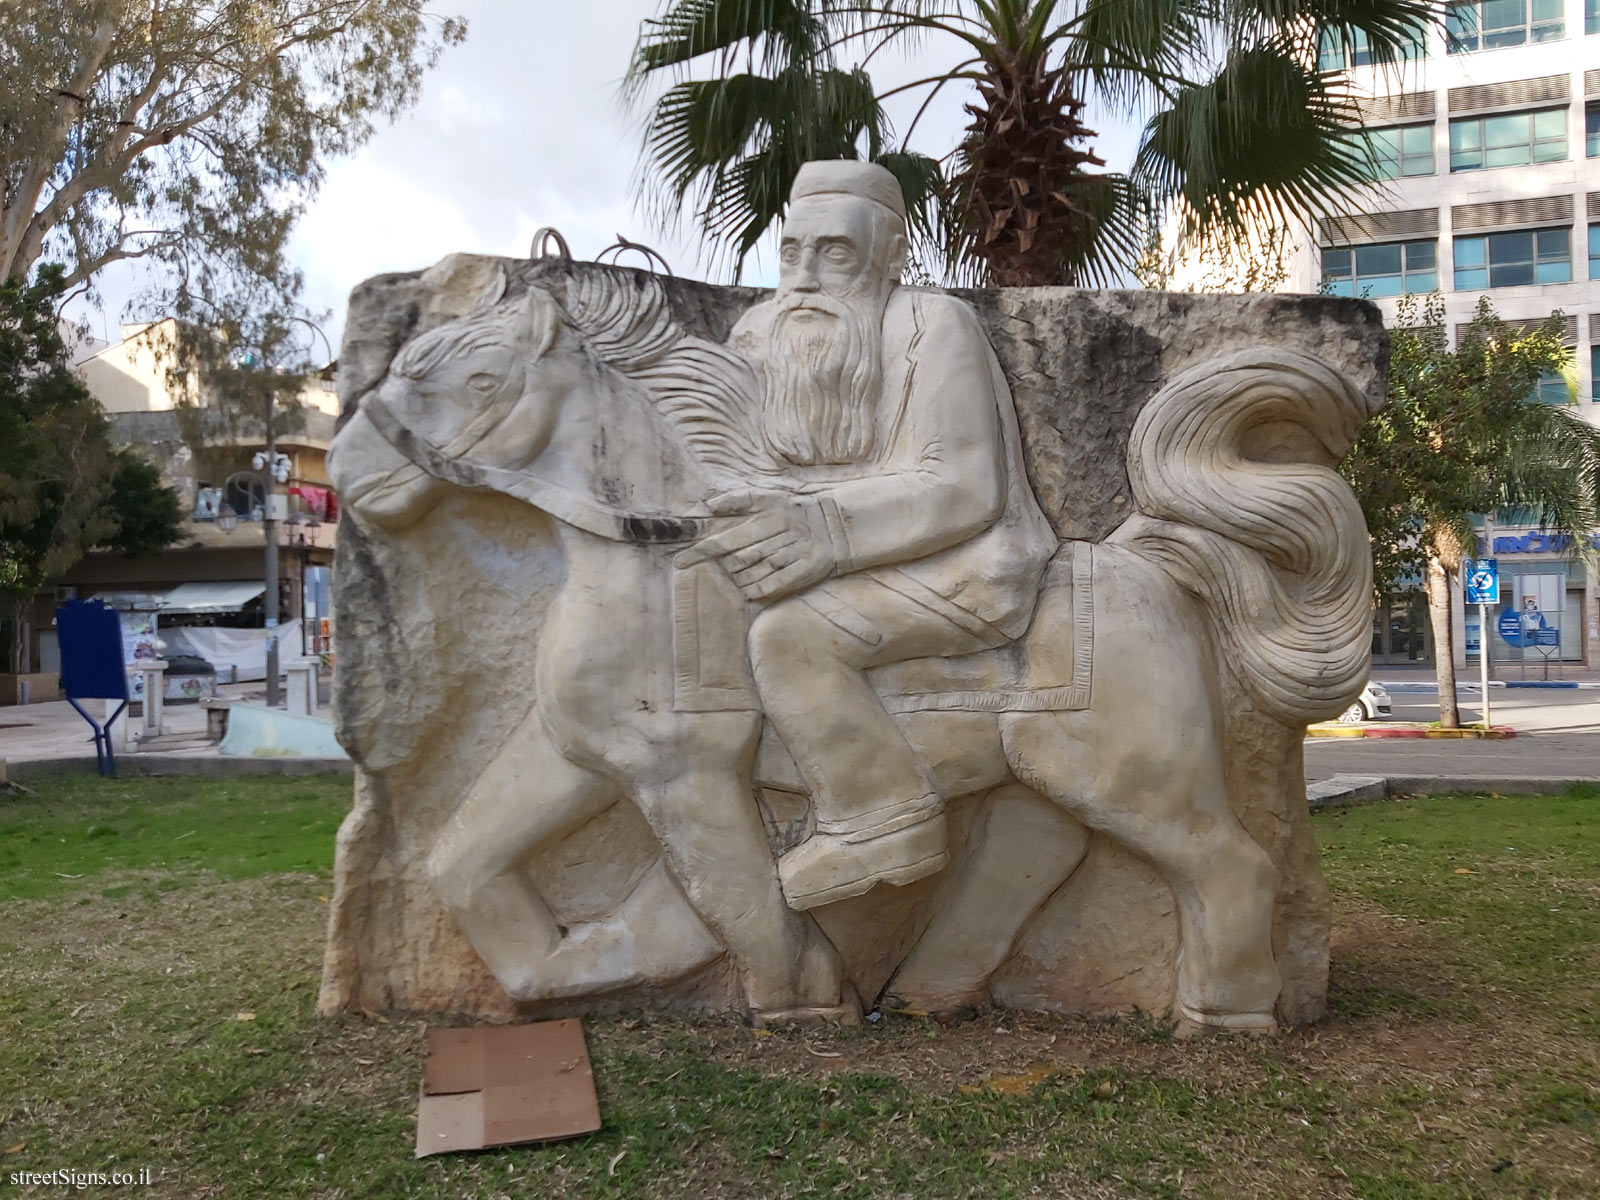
x=1440, y=617
x=21, y=631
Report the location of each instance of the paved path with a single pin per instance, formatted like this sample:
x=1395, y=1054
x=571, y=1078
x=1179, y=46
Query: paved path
x=1558, y=734
x=1556, y=756
x=32, y=732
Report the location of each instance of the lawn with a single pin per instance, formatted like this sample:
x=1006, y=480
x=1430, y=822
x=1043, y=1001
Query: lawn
x=161, y=943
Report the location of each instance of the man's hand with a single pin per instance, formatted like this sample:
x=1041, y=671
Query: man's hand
x=781, y=547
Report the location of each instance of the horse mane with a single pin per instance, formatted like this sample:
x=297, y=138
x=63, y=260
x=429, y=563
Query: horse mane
x=707, y=393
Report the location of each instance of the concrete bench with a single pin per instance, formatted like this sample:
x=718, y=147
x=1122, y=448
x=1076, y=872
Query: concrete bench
x=216, y=710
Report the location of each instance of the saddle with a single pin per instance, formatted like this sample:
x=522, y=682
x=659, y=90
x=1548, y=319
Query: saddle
x=1045, y=670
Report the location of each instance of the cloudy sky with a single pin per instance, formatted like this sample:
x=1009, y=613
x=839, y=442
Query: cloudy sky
x=522, y=127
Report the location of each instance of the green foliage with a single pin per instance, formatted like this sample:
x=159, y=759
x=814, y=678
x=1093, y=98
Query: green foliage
x=144, y=511
x=190, y=133
x=55, y=461
x=238, y=377
x=63, y=489
x=1461, y=437
x=1242, y=124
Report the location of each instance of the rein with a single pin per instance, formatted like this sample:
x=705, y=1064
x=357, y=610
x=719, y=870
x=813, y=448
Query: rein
x=581, y=512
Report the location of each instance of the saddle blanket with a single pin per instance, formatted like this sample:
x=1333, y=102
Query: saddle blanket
x=1048, y=669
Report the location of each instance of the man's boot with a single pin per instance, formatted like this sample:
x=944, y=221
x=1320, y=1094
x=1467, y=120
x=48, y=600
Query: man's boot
x=897, y=844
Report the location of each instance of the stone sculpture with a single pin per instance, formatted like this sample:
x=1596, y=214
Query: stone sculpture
x=787, y=579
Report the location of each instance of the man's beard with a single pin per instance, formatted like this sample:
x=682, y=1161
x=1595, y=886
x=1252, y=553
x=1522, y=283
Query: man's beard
x=823, y=375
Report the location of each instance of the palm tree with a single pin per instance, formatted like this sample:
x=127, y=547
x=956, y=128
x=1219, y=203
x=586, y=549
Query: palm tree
x=1245, y=124
x=1464, y=434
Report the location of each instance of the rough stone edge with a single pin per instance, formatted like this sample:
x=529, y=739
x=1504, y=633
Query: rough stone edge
x=132, y=766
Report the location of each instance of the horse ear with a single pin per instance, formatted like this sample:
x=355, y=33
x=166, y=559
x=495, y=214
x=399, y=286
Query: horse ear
x=537, y=321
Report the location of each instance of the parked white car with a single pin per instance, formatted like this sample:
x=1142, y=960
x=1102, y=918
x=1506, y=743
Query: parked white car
x=1372, y=705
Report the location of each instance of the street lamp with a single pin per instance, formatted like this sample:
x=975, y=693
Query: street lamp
x=269, y=466
x=227, y=519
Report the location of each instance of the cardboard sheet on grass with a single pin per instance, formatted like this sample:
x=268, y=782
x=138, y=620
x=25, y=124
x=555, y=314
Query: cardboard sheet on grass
x=501, y=1085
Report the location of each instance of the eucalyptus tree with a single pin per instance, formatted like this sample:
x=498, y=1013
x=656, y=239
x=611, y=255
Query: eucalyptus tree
x=189, y=133
x=1463, y=434
x=1242, y=124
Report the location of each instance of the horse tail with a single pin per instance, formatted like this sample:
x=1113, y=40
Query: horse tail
x=1236, y=497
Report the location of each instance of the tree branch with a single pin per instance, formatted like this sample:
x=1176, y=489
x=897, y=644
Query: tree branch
x=18, y=217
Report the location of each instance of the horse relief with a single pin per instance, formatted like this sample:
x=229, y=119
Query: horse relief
x=790, y=596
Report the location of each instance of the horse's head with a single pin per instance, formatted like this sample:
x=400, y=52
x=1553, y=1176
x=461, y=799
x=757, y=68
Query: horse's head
x=484, y=390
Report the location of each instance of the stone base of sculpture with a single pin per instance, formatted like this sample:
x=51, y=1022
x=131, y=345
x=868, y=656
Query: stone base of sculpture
x=1122, y=820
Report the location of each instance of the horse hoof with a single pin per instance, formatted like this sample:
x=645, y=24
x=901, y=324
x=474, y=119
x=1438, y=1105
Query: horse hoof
x=1192, y=1023
x=817, y=1014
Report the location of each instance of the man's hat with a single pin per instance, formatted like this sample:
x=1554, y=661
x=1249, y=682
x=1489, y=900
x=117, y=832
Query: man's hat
x=847, y=177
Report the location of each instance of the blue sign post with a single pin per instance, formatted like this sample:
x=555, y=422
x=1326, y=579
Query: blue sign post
x=91, y=667
x=1483, y=580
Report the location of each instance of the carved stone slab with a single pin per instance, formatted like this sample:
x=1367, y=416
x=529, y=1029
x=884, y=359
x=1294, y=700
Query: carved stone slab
x=439, y=643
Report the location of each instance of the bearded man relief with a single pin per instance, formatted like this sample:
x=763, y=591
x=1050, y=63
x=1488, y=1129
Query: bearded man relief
x=907, y=528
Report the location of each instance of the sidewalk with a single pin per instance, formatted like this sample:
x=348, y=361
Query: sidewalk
x=1420, y=677
x=36, y=732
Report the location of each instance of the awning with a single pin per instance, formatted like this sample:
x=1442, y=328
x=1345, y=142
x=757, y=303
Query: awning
x=211, y=597
x=133, y=601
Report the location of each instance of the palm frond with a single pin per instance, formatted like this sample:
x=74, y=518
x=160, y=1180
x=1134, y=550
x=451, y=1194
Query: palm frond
x=1131, y=50
x=1387, y=27
x=1265, y=139
x=777, y=33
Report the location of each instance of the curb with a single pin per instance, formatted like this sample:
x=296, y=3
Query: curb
x=133, y=766
x=1473, y=687
x=1343, y=791
x=1498, y=733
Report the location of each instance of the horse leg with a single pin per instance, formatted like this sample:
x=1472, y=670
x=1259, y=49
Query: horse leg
x=713, y=838
x=1023, y=849
x=1162, y=796
x=529, y=796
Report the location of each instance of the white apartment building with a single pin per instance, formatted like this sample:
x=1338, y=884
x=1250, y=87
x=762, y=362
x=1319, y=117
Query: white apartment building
x=1489, y=136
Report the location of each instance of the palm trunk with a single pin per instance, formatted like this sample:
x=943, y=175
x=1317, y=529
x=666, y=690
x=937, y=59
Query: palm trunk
x=1440, y=617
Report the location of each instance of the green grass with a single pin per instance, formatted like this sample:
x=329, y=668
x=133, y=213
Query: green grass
x=79, y=827
x=145, y=1024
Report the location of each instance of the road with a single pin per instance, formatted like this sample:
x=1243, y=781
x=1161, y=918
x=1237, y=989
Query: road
x=1558, y=736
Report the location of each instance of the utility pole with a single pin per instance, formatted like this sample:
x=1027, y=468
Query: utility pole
x=269, y=528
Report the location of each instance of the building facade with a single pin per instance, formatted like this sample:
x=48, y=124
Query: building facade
x=214, y=576
x=1488, y=137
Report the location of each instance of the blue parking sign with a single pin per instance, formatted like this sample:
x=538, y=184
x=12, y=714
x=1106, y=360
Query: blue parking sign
x=1482, y=576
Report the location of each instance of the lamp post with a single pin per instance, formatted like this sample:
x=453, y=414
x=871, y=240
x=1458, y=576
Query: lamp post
x=269, y=466
x=273, y=466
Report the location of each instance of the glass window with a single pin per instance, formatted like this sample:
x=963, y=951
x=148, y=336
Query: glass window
x=1594, y=373
x=1495, y=24
x=1591, y=128
x=1508, y=139
x=1594, y=252
x=1551, y=389
x=1381, y=269
x=1335, y=53
x=1402, y=151
x=1512, y=259
x=1591, y=16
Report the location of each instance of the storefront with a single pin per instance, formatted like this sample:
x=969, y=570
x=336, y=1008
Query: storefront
x=1546, y=616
